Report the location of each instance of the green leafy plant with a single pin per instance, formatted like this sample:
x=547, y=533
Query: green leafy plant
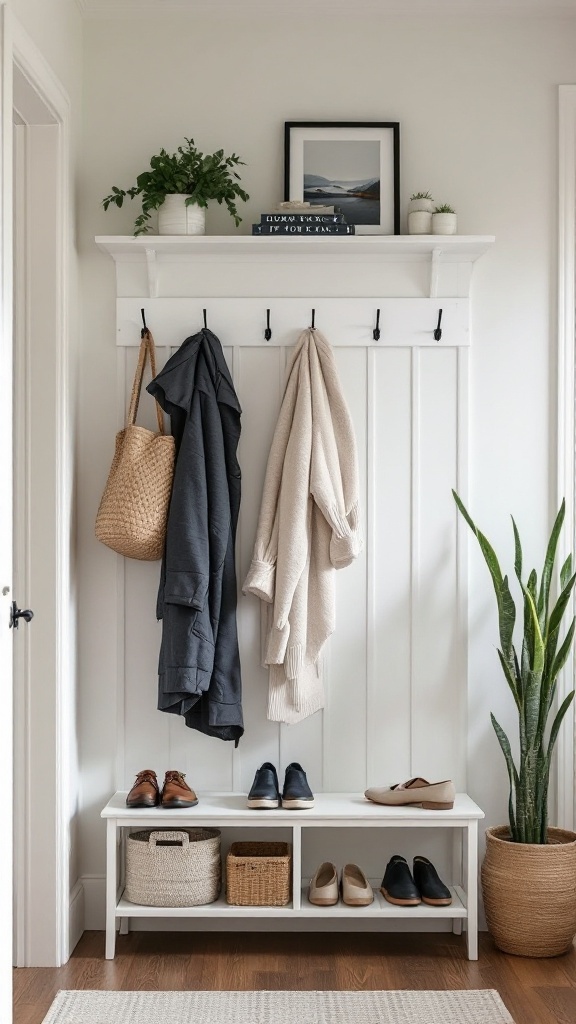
x=444, y=208
x=421, y=195
x=186, y=172
x=532, y=678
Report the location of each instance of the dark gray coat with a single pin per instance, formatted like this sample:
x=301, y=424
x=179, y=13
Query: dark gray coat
x=199, y=670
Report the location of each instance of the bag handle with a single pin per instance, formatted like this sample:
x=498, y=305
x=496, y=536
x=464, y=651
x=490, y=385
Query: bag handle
x=173, y=837
x=147, y=349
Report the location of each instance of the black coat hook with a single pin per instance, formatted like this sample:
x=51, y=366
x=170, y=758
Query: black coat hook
x=438, y=331
x=144, y=330
x=376, y=331
x=313, y=325
x=268, y=331
x=205, y=321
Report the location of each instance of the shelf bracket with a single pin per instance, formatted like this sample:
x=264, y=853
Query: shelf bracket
x=152, y=265
x=434, y=268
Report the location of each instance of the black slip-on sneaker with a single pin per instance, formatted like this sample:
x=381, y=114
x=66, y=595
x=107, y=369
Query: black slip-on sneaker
x=296, y=794
x=398, y=886
x=431, y=886
x=265, y=792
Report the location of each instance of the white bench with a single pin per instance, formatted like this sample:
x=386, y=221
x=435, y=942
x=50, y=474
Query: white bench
x=331, y=810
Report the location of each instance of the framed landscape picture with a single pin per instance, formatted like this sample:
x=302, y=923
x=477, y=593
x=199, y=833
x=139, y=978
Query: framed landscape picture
x=353, y=165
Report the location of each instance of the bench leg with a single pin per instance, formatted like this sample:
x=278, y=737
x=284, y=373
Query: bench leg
x=472, y=890
x=111, y=887
x=457, y=872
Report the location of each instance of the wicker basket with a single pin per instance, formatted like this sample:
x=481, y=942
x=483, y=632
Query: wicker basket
x=173, y=868
x=259, y=874
x=530, y=892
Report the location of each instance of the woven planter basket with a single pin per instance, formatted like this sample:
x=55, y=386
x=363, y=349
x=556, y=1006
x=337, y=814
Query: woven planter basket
x=530, y=892
x=187, y=873
x=258, y=874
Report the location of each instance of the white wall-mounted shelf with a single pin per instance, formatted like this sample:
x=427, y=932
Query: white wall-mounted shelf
x=331, y=810
x=154, y=250
x=449, y=248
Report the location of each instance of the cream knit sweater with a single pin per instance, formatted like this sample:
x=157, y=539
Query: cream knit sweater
x=309, y=525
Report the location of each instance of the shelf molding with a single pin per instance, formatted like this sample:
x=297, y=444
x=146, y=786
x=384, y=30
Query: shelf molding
x=157, y=250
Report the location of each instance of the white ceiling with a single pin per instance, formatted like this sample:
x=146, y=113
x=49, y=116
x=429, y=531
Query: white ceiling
x=114, y=8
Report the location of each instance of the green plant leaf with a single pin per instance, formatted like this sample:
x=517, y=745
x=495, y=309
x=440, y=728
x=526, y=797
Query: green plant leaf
x=565, y=572
x=537, y=653
x=550, y=558
x=512, y=773
x=556, y=725
x=506, y=606
x=561, y=605
x=562, y=656
x=510, y=679
x=517, y=551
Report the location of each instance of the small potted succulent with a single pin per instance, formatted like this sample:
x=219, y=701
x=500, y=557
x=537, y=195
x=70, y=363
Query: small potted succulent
x=444, y=220
x=421, y=202
x=419, y=213
x=180, y=186
x=420, y=210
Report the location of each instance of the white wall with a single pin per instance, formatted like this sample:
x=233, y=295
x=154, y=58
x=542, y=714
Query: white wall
x=56, y=28
x=476, y=98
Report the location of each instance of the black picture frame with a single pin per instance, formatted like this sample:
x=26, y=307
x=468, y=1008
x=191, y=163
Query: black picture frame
x=294, y=131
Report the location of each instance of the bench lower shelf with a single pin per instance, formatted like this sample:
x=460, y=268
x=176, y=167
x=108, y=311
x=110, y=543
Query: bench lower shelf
x=379, y=908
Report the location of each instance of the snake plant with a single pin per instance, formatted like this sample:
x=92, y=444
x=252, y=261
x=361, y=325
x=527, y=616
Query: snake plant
x=532, y=678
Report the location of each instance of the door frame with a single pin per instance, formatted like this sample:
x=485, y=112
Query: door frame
x=48, y=894
x=6, y=460
x=566, y=437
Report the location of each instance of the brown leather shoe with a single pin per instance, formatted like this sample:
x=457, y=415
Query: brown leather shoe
x=145, y=791
x=176, y=792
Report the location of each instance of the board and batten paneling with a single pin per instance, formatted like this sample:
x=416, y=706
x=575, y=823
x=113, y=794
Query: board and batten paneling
x=395, y=669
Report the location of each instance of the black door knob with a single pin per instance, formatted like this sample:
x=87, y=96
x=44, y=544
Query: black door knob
x=17, y=613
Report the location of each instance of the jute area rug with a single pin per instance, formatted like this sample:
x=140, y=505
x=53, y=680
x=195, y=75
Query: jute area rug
x=475, y=1007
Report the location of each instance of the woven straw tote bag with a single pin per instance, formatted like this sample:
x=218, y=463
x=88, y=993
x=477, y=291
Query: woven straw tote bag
x=134, y=508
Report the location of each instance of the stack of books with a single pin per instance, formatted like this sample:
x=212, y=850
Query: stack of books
x=303, y=219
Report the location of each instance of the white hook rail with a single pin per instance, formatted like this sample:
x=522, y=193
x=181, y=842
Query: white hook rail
x=345, y=322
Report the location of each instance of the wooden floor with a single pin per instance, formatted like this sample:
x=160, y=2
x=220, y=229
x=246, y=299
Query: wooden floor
x=535, y=991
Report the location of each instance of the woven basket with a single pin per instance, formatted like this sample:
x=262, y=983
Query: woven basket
x=133, y=511
x=530, y=892
x=258, y=874
x=186, y=873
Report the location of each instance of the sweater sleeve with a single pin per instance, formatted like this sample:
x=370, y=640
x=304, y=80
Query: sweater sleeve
x=261, y=577
x=294, y=507
x=334, y=481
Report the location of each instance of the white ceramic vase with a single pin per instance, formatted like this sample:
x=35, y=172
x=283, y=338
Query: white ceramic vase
x=444, y=223
x=419, y=223
x=421, y=206
x=175, y=218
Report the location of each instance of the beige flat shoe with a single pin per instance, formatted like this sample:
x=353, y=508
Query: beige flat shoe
x=356, y=889
x=323, y=889
x=432, y=796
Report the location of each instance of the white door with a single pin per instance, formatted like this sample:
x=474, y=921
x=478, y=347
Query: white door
x=6, y=531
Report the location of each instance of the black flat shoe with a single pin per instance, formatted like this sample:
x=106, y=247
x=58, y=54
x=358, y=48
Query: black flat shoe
x=296, y=794
x=431, y=886
x=398, y=886
x=265, y=792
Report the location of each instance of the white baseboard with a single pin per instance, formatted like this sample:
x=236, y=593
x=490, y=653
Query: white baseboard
x=76, y=916
x=95, y=920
